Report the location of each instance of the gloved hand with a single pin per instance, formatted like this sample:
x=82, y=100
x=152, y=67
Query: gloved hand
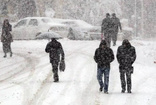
x=131, y=70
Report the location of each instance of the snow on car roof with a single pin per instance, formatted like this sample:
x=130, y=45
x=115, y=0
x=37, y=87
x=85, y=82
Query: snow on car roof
x=51, y=22
x=80, y=23
x=37, y=18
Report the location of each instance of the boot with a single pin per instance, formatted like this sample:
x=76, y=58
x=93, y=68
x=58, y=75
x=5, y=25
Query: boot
x=5, y=55
x=10, y=54
x=122, y=91
x=100, y=89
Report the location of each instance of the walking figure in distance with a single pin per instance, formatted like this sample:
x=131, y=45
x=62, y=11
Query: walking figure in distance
x=126, y=56
x=103, y=57
x=6, y=37
x=54, y=48
x=106, y=29
x=116, y=25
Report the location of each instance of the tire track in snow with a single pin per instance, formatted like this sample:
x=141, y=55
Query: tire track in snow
x=29, y=65
x=43, y=89
x=87, y=96
x=41, y=94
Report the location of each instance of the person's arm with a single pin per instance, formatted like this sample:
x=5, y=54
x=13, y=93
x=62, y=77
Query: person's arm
x=111, y=56
x=96, y=56
x=47, y=49
x=62, y=53
x=120, y=25
x=102, y=26
x=118, y=55
x=133, y=57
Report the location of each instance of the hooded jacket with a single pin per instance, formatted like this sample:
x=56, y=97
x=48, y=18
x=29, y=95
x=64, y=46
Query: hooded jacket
x=103, y=56
x=126, y=55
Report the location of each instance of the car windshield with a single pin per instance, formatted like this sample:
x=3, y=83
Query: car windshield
x=33, y=22
x=70, y=23
x=21, y=23
x=46, y=20
x=58, y=28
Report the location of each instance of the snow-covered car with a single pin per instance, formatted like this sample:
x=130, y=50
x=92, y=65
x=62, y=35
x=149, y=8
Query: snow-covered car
x=28, y=28
x=61, y=30
x=77, y=29
x=78, y=34
x=95, y=33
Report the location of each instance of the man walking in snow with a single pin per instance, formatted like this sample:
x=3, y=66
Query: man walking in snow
x=116, y=25
x=54, y=48
x=103, y=57
x=126, y=56
x=106, y=29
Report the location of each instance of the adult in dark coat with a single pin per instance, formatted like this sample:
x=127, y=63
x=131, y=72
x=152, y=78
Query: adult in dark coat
x=103, y=57
x=54, y=48
x=6, y=37
x=116, y=26
x=126, y=56
x=106, y=29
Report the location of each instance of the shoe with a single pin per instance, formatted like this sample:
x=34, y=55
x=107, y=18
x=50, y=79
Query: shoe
x=4, y=56
x=56, y=80
x=106, y=92
x=11, y=54
x=122, y=91
x=129, y=91
x=100, y=89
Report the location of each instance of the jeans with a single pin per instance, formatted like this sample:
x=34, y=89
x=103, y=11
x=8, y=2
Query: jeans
x=100, y=73
x=123, y=81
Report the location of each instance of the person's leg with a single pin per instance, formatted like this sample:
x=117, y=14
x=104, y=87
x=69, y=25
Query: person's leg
x=9, y=45
x=99, y=78
x=107, y=39
x=106, y=79
x=116, y=34
x=129, y=85
x=5, y=50
x=55, y=71
x=123, y=82
x=114, y=38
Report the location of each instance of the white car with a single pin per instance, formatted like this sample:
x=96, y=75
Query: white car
x=61, y=30
x=74, y=29
x=28, y=28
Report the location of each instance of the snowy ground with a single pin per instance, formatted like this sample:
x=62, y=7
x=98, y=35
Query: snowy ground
x=26, y=78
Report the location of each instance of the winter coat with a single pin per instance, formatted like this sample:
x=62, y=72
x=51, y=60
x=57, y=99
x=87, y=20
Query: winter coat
x=126, y=56
x=6, y=36
x=54, y=48
x=103, y=56
x=116, y=24
x=106, y=25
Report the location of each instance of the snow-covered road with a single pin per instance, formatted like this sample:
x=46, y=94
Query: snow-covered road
x=26, y=78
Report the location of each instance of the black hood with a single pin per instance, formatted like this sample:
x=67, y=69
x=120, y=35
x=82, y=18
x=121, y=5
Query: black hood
x=126, y=43
x=103, y=42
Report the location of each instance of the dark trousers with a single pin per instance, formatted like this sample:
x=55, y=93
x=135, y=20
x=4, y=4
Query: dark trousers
x=123, y=81
x=7, y=47
x=100, y=73
x=114, y=37
x=108, y=37
x=55, y=69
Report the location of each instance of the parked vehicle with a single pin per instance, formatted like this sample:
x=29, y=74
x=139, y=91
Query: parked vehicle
x=61, y=30
x=28, y=28
x=74, y=29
